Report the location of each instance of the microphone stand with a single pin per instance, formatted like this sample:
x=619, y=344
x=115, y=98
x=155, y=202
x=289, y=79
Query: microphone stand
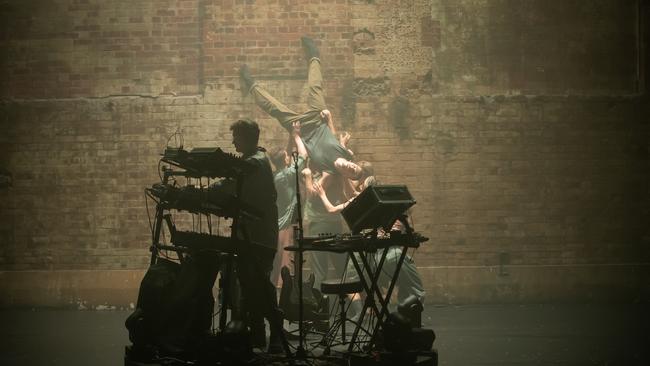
x=298, y=235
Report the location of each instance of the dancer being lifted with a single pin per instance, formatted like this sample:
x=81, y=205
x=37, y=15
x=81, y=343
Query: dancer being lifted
x=327, y=154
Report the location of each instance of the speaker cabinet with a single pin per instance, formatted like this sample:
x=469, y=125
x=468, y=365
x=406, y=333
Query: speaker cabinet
x=377, y=206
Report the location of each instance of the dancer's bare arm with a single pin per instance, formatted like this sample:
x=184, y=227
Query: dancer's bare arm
x=349, y=189
x=344, y=139
x=297, y=140
x=326, y=115
x=309, y=182
x=326, y=202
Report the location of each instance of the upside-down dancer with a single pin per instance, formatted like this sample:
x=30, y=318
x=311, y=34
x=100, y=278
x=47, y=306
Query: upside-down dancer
x=327, y=154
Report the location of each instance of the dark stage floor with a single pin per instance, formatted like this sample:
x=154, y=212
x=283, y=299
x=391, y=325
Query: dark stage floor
x=466, y=335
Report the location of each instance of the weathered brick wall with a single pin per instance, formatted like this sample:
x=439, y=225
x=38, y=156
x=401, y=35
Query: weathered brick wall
x=519, y=126
x=537, y=47
x=90, y=48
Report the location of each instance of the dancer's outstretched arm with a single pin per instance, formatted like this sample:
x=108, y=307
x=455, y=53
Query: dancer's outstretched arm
x=326, y=202
x=344, y=139
x=309, y=182
x=349, y=189
x=297, y=140
x=325, y=179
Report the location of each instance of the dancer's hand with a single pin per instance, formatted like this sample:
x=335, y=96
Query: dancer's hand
x=344, y=138
x=296, y=128
x=318, y=188
x=397, y=226
x=382, y=234
x=306, y=172
x=326, y=114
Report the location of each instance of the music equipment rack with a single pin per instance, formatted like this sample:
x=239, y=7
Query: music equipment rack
x=368, y=242
x=190, y=241
x=202, y=201
x=211, y=162
x=360, y=247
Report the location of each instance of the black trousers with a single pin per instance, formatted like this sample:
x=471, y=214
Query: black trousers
x=259, y=299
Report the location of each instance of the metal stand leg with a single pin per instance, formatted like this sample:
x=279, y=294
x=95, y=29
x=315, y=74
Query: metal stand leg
x=342, y=305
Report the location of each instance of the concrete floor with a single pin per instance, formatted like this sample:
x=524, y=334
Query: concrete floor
x=466, y=335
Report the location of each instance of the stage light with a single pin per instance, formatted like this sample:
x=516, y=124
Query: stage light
x=412, y=308
x=403, y=330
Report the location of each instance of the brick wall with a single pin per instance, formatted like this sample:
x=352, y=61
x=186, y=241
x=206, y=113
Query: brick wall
x=519, y=126
x=90, y=48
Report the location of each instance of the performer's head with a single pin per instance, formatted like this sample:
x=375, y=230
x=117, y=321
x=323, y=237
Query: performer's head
x=245, y=135
x=354, y=171
x=367, y=182
x=366, y=169
x=347, y=168
x=280, y=159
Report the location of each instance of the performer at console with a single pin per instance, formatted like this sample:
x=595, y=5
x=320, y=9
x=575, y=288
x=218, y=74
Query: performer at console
x=257, y=190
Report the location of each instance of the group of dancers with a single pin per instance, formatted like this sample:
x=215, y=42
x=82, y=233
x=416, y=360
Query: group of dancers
x=331, y=178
